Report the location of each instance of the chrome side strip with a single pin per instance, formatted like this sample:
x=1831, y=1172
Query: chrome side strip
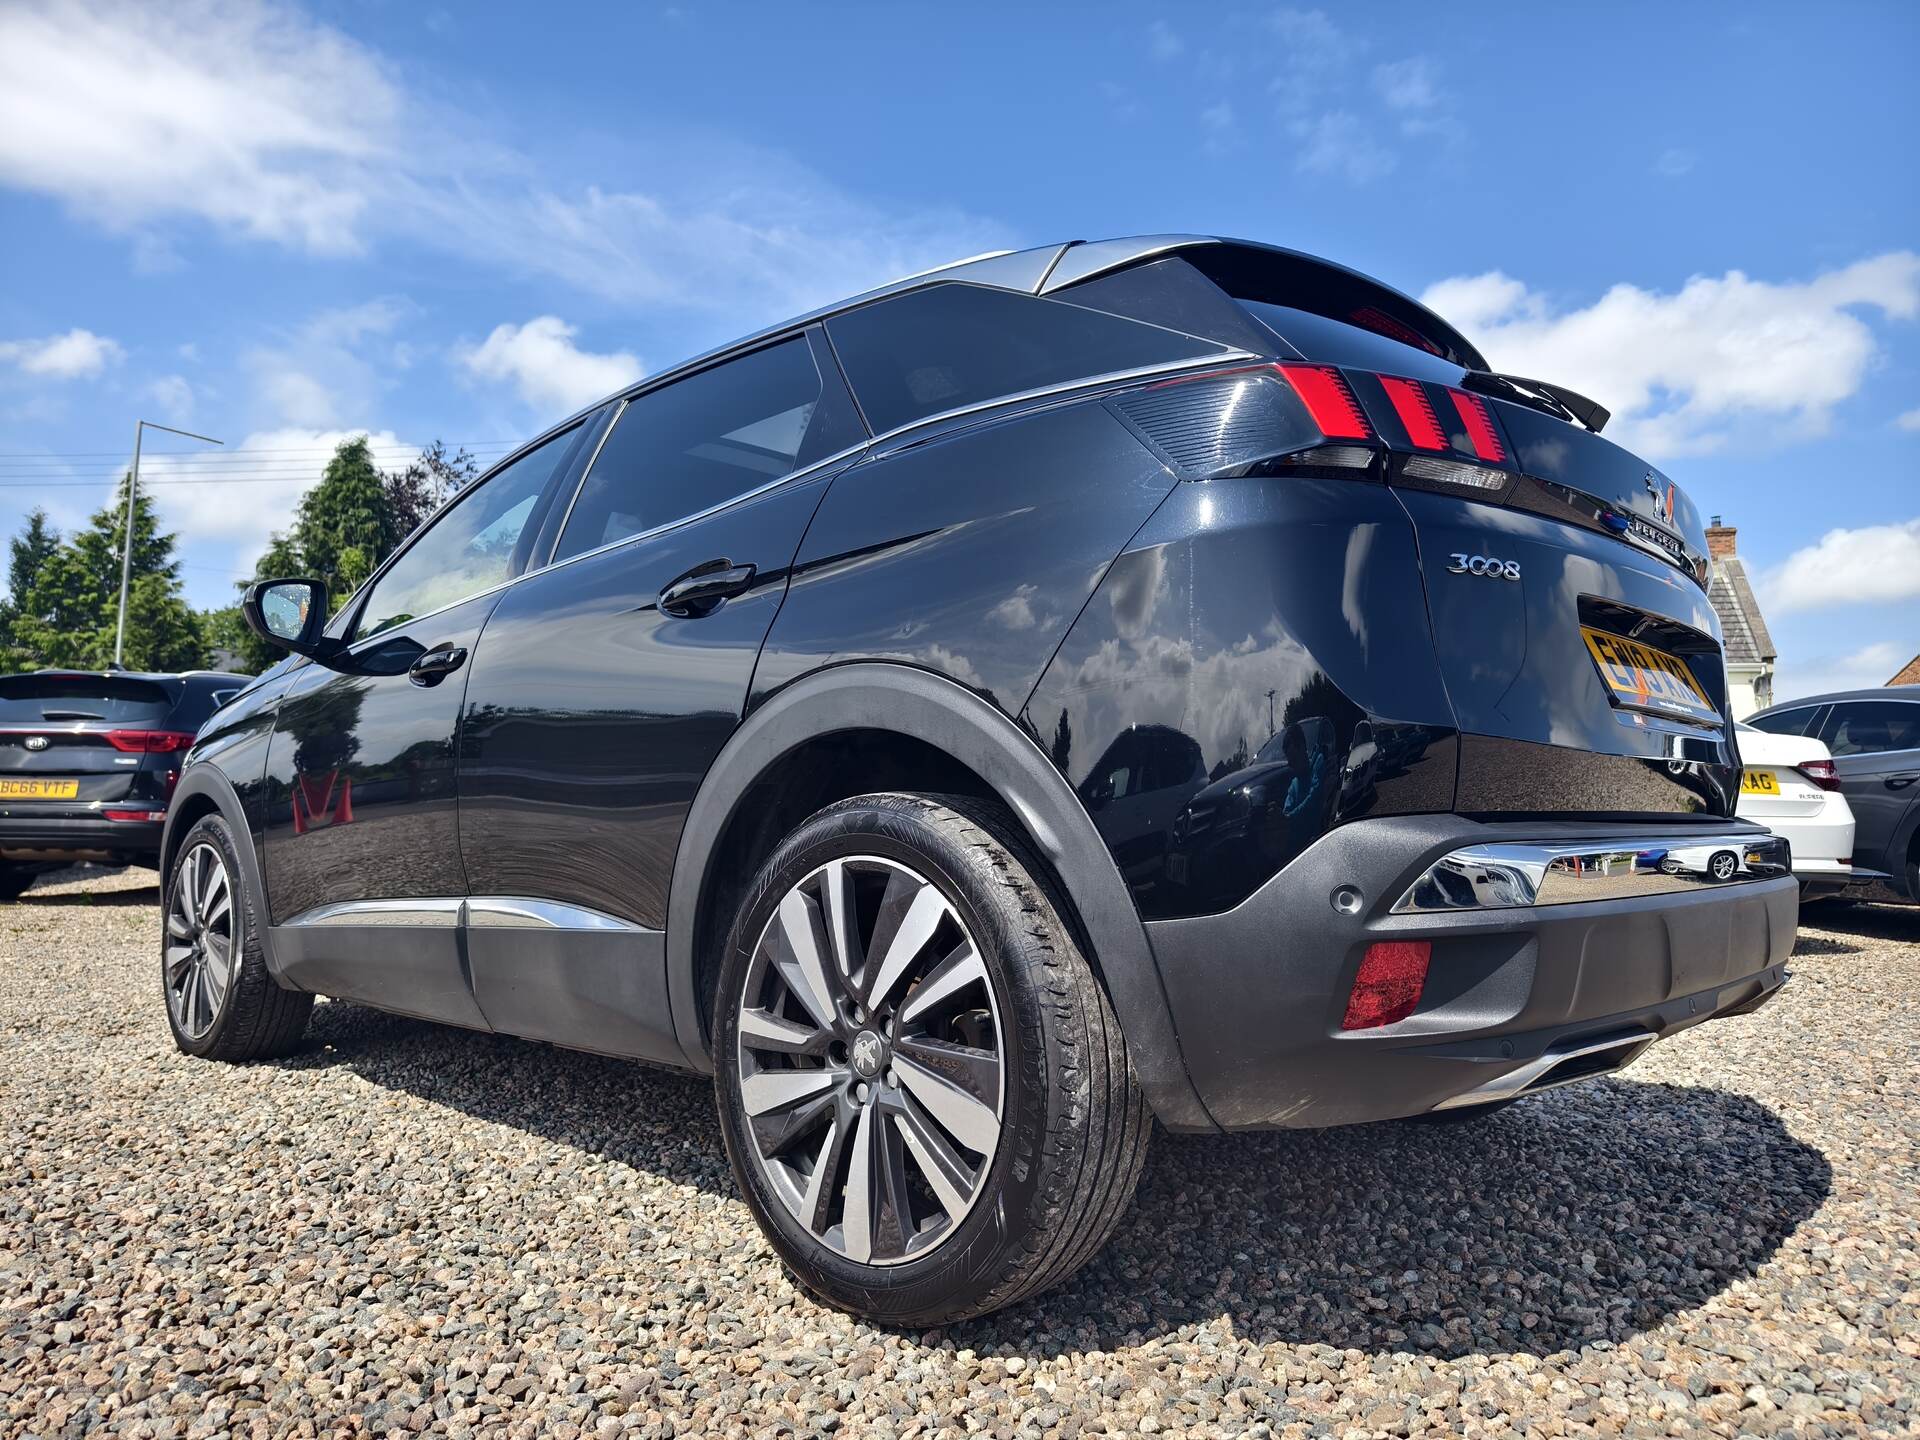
x=425, y=914
x=513, y=912
x=1505, y=876
x=1527, y=1079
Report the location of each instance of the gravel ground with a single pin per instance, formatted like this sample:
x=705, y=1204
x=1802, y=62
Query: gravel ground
x=411, y=1228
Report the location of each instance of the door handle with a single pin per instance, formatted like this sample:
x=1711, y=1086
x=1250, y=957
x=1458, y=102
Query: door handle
x=701, y=590
x=436, y=664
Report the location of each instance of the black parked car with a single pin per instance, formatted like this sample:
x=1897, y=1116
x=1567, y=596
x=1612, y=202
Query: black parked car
x=818, y=715
x=1874, y=738
x=88, y=762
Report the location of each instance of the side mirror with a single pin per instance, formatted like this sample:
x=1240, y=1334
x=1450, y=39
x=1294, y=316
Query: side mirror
x=289, y=613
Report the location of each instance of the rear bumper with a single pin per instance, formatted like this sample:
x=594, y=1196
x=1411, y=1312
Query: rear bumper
x=131, y=842
x=1524, y=974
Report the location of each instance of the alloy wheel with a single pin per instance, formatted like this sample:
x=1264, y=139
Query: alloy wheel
x=198, y=959
x=871, y=1061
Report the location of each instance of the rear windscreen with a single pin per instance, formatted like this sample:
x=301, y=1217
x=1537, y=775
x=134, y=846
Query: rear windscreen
x=37, y=699
x=953, y=346
x=1336, y=342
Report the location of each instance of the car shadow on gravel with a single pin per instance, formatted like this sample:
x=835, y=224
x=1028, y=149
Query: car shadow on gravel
x=144, y=895
x=1865, y=921
x=1586, y=1215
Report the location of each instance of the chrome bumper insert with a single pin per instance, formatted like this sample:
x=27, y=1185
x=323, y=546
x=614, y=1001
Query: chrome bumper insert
x=1504, y=876
x=1603, y=1057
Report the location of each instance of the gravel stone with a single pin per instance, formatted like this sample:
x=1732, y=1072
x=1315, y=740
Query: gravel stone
x=409, y=1229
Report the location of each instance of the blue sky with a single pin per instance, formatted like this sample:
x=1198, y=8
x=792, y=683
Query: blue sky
x=276, y=225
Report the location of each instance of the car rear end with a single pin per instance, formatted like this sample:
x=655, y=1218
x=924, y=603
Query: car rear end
x=1569, y=880
x=1790, y=784
x=88, y=762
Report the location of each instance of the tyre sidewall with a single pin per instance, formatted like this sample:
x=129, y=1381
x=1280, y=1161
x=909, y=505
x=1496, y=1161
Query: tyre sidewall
x=974, y=1258
x=212, y=829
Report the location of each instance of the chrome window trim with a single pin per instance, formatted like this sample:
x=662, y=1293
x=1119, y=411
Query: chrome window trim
x=1507, y=875
x=425, y=913
x=516, y=912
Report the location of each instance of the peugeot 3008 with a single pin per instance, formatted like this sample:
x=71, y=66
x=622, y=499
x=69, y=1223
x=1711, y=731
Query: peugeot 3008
x=1163, y=678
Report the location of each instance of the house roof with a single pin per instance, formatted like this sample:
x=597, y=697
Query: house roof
x=1907, y=674
x=1742, y=625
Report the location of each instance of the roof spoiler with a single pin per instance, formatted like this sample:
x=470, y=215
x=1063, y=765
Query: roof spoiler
x=1576, y=407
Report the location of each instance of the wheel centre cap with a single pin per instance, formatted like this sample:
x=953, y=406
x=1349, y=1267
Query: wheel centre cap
x=869, y=1054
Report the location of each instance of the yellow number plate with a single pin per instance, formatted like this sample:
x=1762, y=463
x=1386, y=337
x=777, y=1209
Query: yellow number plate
x=39, y=789
x=1643, y=678
x=1758, y=782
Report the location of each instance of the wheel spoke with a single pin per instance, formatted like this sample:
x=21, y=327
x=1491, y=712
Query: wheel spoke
x=843, y=931
x=763, y=1030
x=856, y=1222
x=177, y=925
x=817, y=1202
x=218, y=955
x=950, y=977
x=949, y=1177
x=974, y=1070
x=775, y=1090
x=804, y=971
x=916, y=928
x=218, y=900
x=178, y=958
x=969, y=1120
x=188, y=889
x=202, y=1011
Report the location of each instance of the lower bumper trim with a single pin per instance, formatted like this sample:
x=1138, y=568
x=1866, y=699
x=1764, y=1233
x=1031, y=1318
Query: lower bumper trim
x=1509, y=875
x=1559, y=1065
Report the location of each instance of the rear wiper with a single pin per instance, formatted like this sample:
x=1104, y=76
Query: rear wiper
x=70, y=715
x=1569, y=404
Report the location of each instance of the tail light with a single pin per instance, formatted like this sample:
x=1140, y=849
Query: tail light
x=149, y=742
x=1265, y=419
x=1387, y=988
x=1821, y=773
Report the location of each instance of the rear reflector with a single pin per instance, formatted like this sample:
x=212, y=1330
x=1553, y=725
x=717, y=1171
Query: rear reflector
x=135, y=815
x=1821, y=773
x=1329, y=401
x=1415, y=410
x=1479, y=422
x=151, y=742
x=1392, y=975
x=1453, y=472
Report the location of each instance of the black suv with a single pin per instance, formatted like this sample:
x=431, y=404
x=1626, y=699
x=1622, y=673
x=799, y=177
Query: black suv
x=88, y=761
x=1155, y=678
x=1874, y=738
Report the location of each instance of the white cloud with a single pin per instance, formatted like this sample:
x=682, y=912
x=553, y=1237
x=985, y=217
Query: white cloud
x=1868, y=667
x=1723, y=360
x=1674, y=163
x=551, y=373
x=72, y=356
x=242, y=494
x=273, y=126
x=1909, y=419
x=1339, y=143
x=1162, y=43
x=174, y=395
x=250, y=116
x=1407, y=84
x=1873, y=564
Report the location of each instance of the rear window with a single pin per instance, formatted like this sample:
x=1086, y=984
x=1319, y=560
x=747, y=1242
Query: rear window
x=1785, y=722
x=1873, y=727
x=1334, y=342
x=37, y=699
x=954, y=346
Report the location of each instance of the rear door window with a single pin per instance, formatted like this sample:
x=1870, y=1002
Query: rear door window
x=697, y=443
x=1786, y=722
x=950, y=347
x=1873, y=727
x=82, y=699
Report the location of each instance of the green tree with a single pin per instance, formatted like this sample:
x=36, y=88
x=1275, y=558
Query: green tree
x=346, y=525
x=31, y=549
x=67, y=614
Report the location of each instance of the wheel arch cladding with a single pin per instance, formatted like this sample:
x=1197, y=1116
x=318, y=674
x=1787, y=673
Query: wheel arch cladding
x=942, y=716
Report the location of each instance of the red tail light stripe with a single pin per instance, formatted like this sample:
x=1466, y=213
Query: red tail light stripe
x=1415, y=410
x=1329, y=401
x=160, y=742
x=1479, y=422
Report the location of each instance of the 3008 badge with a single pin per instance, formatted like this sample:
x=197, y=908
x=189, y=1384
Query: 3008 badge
x=1464, y=564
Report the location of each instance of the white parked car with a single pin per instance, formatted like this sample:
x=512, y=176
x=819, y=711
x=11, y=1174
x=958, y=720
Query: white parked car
x=1788, y=784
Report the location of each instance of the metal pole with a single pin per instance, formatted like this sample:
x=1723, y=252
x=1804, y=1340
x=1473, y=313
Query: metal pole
x=126, y=546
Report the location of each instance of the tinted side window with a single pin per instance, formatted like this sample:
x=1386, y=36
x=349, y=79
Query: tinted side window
x=951, y=346
x=698, y=443
x=1870, y=727
x=473, y=545
x=1785, y=722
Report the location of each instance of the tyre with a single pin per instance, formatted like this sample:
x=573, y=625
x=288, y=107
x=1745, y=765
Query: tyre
x=14, y=880
x=925, y=1095
x=221, y=1002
